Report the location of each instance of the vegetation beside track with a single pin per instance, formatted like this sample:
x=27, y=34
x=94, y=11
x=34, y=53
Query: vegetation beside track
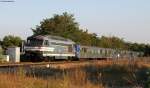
x=94, y=74
x=76, y=80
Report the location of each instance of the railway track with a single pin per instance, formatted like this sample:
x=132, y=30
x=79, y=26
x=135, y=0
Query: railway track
x=42, y=63
x=67, y=64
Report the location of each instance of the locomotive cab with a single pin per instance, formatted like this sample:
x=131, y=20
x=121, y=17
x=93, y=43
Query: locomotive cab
x=34, y=42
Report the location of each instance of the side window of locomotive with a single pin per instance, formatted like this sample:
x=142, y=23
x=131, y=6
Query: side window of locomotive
x=46, y=43
x=70, y=49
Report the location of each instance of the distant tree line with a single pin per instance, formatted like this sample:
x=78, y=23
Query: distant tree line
x=65, y=25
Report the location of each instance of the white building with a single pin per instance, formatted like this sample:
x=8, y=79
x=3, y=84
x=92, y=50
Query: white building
x=14, y=54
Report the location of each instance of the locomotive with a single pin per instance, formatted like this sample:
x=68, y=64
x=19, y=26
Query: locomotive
x=49, y=47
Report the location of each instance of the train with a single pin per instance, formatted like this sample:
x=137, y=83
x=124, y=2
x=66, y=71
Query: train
x=49, y=47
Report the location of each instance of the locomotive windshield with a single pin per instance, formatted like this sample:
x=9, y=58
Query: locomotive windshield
x=34, y=42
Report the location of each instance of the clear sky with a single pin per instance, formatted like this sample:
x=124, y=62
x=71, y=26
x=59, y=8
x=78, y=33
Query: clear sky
x=128, y=19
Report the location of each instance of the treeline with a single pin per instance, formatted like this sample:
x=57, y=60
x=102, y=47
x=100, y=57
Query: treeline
x=65, y=25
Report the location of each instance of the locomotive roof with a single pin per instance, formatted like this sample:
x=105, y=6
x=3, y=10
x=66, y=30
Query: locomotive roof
x=58, y=38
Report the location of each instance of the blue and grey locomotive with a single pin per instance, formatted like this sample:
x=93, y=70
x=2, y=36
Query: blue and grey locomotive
x=49, y=47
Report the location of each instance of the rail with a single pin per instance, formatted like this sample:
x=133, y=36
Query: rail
x=69, y=63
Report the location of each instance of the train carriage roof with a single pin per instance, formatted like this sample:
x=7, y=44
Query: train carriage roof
x=94, y=47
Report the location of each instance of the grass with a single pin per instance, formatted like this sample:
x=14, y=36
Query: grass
x=97, y=74
x=75, y=79
x=14, y=81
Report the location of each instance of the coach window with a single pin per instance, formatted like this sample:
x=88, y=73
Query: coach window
x=84, y=50
x=46, y=43
x=101, y=51
x=109, y=52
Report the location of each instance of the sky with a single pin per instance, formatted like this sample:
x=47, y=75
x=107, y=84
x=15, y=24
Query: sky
x=127, y=19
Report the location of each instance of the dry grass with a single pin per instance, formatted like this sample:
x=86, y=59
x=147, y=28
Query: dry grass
x=14, y=81
x=75, y=79
x=78, y=77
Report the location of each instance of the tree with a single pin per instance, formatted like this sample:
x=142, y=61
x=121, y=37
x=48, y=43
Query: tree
x=94, y=39
x=65, y=25
x=9, y=41
x=62, y=25
x=112, y=42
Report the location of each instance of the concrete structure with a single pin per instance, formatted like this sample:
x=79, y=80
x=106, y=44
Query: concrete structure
x=14, y=54
x=4, y=58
